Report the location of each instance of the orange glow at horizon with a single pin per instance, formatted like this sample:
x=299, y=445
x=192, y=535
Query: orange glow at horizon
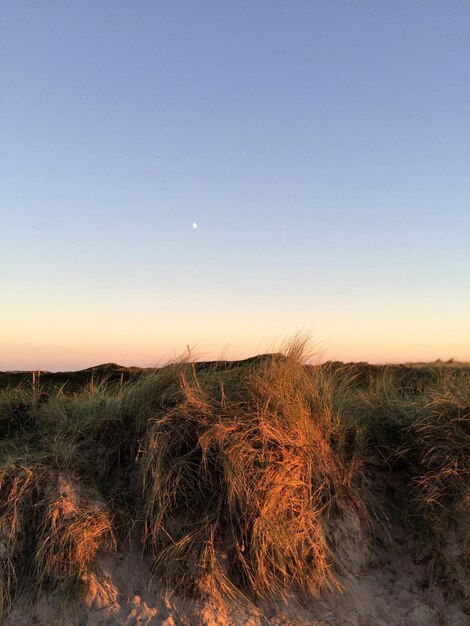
x=69, y=352
x=137, y=335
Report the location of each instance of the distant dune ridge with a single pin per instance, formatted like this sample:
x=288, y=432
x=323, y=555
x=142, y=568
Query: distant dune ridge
x=113, y=372
x=259, y=491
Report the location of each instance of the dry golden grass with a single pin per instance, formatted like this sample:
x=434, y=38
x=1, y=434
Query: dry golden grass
x=237, y=492
x=233, y=476
x=49, y=531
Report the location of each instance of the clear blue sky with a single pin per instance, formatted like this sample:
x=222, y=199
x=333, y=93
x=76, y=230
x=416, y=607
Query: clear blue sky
x=322, y=147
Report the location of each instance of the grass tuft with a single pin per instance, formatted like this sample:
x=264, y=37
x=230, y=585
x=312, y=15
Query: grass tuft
x=441, y=474
x=49, y=531
x=238, y=484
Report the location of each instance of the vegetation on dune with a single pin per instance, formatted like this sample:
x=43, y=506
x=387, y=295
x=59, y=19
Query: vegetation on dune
x=233, y=475
x=440, y=466
x=49, y=529
x=239, y=480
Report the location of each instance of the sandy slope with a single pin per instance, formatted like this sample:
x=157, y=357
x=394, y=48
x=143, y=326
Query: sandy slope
x=391, y=592
x=385, y=582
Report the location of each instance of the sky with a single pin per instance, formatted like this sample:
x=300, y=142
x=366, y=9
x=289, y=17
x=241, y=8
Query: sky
x=321, y=146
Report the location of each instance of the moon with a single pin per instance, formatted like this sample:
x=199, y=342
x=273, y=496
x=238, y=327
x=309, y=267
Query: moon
x=194, y=225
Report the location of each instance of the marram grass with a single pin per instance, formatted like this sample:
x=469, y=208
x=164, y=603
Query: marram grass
x=238, y=486
x=233, y=476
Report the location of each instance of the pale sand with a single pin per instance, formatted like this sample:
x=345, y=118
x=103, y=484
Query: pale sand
x=385, y=583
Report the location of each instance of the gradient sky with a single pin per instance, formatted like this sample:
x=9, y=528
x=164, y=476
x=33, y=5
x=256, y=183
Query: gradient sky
x=322, y=147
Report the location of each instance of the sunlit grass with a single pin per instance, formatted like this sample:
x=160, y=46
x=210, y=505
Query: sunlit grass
x=232, y=475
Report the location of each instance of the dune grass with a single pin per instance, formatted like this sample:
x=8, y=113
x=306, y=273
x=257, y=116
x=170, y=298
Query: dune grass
x=239, y=480
x=232, y=475
x=49, y=530
x=439, y=458
x=426, y=437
